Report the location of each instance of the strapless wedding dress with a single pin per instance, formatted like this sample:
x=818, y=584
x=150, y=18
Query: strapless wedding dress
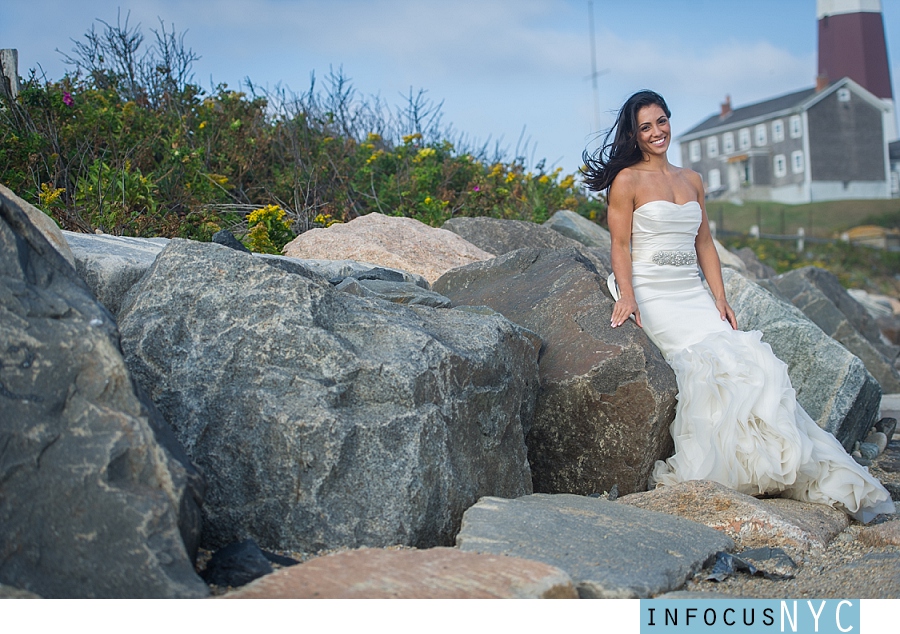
x=737, y=420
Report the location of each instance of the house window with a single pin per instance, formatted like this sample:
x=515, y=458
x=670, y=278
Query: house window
x=797, y=166
x=780, y=166
x=695, y=151
x=761, y=134
x=715, y=179
x=712, y=146
x=796, y=127
x=843, y=94
x=777, y=131
x=728, y=142
x=744, y=138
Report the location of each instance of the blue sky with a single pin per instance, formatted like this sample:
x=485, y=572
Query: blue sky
x=499, y=66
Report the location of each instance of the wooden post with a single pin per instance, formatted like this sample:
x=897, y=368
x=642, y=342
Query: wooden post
x=9, y=72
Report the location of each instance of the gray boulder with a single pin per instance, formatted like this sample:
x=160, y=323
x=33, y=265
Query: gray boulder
x=90, y=502
x=322, y=419
x=579, y=228
x=610, y=550
x=832, y=384
x=820, y=296
x=41, y=221
x=397, y=292
x=607, y=396
x=111, y=265
x=755, y=269
x=502, y=236
x=337, y=270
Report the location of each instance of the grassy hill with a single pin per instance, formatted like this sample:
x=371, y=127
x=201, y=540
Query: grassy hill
x=820, y=219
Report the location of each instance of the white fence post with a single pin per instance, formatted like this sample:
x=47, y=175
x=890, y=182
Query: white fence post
x=801, y=241
x=754, y=231
x=9, y=72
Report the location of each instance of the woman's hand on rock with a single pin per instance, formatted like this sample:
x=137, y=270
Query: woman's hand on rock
x=622, y=310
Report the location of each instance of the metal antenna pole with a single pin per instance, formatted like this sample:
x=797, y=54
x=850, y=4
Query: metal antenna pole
x=594, y=73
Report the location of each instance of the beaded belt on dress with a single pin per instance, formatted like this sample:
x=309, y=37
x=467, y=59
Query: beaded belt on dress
x=671, y=258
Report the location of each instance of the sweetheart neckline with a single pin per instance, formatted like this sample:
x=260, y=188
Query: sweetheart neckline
x=650, y=202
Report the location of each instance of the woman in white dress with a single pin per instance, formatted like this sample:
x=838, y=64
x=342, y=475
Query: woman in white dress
x=737, y=421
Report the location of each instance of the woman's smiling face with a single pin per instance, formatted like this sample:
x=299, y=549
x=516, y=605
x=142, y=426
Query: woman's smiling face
x=653, y=130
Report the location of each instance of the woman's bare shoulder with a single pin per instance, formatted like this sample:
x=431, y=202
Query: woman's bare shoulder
x=625, y=181
x=689, y=174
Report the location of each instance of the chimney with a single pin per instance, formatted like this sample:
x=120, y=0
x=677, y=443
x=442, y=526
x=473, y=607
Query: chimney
x=821, y=82
x=726, y=107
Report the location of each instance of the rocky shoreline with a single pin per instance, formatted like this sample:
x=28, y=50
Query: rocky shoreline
x=423, y=412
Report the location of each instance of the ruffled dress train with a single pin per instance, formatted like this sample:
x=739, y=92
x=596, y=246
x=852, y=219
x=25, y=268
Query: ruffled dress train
x=737, y=420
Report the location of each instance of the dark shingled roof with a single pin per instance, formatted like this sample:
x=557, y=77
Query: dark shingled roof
x=754, y=110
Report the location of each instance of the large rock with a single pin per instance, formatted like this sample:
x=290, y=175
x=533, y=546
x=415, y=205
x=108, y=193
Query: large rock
x=322, y=419
x=111, y=265
x=402, y=243
x=610, y=550
x=751, y=523
x=832, y=384
x=502, y=236
x=436, y=573
x=579, y=228
x=41, y=221
x=607, y=396
x=754, y=268
x=90, y=502
x=338, y=270
x=729, y=259
x=820, y=296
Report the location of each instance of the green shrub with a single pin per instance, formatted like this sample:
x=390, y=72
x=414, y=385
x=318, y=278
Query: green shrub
x=127, y=144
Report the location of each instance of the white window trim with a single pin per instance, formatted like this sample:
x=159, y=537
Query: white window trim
x=777, y=131
x=695, y=152
x=715, y=179
x=728, y=142
x=796, y=126
x=712, y=146
x=744, y=138
x=759, y=135
x=797, y=163
x=779, y=160
x=843, y=94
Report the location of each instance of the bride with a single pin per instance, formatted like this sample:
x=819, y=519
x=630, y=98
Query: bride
x=737, y=421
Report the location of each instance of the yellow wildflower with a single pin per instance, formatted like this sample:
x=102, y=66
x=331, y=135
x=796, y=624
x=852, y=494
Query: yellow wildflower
x=428, y=200
x=267, y=213
x=409, y=138
x=423, y=154
x=202, y=124
x=544, y=179
x=373, y=138
x=510, y=177
x=48, y=195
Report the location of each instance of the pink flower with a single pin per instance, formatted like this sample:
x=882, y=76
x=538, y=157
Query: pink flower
x=67, y=99
x=476, y=188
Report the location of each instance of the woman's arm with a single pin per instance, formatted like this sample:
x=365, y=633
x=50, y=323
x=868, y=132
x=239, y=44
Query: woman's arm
x=709, y=259
x=619, y=214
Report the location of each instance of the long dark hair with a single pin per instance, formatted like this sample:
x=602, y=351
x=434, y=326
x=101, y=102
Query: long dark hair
x=601, y=168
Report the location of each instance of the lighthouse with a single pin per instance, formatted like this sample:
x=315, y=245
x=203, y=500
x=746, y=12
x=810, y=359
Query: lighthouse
x=852, y=44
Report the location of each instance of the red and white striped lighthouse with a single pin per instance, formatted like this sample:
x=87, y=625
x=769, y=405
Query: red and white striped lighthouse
x=852, y=44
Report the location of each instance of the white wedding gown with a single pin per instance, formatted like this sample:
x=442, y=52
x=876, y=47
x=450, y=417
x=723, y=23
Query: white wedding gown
x=737, y=421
